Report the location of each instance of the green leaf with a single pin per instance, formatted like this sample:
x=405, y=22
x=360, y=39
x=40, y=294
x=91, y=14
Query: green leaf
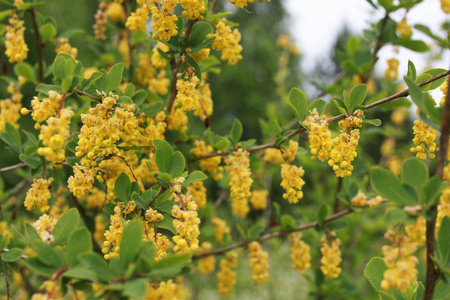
x=163, y=203
x=26, y=70
x=122, y=187
x=46, y=254
x=432, y=191
x=114, y=77
x=31, y=232
x=167, y=223
x=412, y=73
x=70, y=32
x=135, y=288
x=99, y=266
x=388, y=186
x=139, y=97
x=178, y=164
x=35, y=265
x=152, y=109
x=357, y=96
x=414, y=172
x=287, y=222
x=298, y=100
x=140, y=201
x=194, y=176
x=202, y=45
x=5, y=13
x=163, y=155
x=173, y=260
x=374, y=122
x=397, y=216
x=417, y=46
x=32, y=161
x=199, y=32
x=322, y=213
x=12, y=255
x=318, y=104
x=11, y=136
x=124, y=100
x=437, y=83
x=79, y=241
x=236, y=131
x=339, y=105
x=374, y=272
x=256, y=232
x=443, y=241
x=66, y=224
x=47, y=31
x=81, y=273
x=131, y=243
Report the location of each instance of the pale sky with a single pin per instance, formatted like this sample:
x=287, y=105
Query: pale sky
x=315, y=24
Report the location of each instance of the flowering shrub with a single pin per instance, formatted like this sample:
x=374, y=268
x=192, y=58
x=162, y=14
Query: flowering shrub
x=115, y=184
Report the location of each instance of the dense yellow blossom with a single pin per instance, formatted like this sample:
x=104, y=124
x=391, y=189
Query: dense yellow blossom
x=113, y=236
x=227, y=41
x=198, y=192
x=445, y=6
x=359, y=200
x=80, y=184
x=331, y=256
x=193, y=9
x=164, y=20
x=115, y=12
x=392, y=70
x=259, y=262
x=186, y=95
x=166, y=290
x=220, y=229
x=177, y=120
x=38, y=194
x=16, y=48
x=100, y=21
x=292, y=182
x=65, y=47
x=259, y=199
x=45, y=108
x=10, y=107
x=205, y=107
x=404, y=29
x=226, y=278
x=206, y=264
x=319, y=136
x=444, y=207
x=300, y=254
x=200, y=55
x=290, y=152
x=44, y=227
x=238, y=168
x=210, y=164
x=273, y=156
x=416, y=232
x=424, y=136
x=136, y=20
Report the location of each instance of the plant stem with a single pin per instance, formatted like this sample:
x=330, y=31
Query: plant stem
x=38, y=43
x=336, y=199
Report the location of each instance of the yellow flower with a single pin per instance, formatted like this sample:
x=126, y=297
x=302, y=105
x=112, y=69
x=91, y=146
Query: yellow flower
x=16, y=48
x=38, y=194
x=331, y=256
x=292, y=182
x=227, y=41
x=300, y=254
x=226, y=278
x=259, y=199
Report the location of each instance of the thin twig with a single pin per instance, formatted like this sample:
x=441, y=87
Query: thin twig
x=301, y=129
x=274, y=234
x=13, y=167
x=175, y=67
x=336, y=199
x=8, y=292
x=128, y=165
x=222, y=197
x=38, y=43
x=161, y=190
x=433, y=273
x=83, y=93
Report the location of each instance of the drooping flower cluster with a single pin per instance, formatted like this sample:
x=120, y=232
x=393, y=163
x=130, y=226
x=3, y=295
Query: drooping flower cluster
x=136, y=20
x=416, y=232
x=392, y=70
x=210, y=164
x=186, y=95
x=193, y=9
x=344, y=146
x=115, y=12
x=198, y=192
x=167, y=290
x=226, y=278
x=200, y=55
x=319, y=136
x=227, y=41
x=185, y=221
x=16, y=48
x=259, y=199
x=205, y=107
x=65, y=47
x=361, y=200
x=38, y=194
x=113, y=236
x=401, y=272
x=259, y=262
x=45, y=108
x=100, y=21
x=292, y=182
x=10, y=107
x=44, y=227
x=160, y=241
x=404, y=29
x=424, y=136
x=177, y=120
x=273, y=156
x=220, y=229
x=300, y=254
x=290, y=152
x=444, y=89
x=238, y=168
x=331, y=256
x=164, y=20
x=54, y=135
x=206, y=264
x=444, y=207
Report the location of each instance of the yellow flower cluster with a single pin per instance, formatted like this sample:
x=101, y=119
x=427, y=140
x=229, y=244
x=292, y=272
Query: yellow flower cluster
x=113, y=236
x=164, y=21
x=160, y=241
x=445, y=6
x=361, y=200
x=424, y=136
x=54, y=135
x=259, y=262
x=96, y=199
x=100, y=226
x=416, y=232
x=80, y=184
x=10, y=107
x=167, y=290
x=206, y=264
x=401, y=272
x=115, y=12
x=273, y=156
x=300, y=253
x=44, y=227
x=185, y=221
x=392, y=70
x=65, y=47
x=227, y=41
x=151, y=128
x=131, y=206
x=259, y=199
x=290, y=152
x=205, y=108
x=198, y=192
x=220, y=228
x=241, y=3
x=319, y=136
x=158, y=61
x=444, y=89
x=38, y=194
x=331, y=256
x=45, y=108
x=344, y=151
x=100, y=21
x=404, y=29
x=226, y=278
x=152, y=215
x=238, y=168
x=52, y=291
x=210, y=164
x=444, y=207
x=186, y=95
x=193, y=9
x=292, y=182
x=136, y=20
x=200, y=55
x=177, y=120
x=16, y=48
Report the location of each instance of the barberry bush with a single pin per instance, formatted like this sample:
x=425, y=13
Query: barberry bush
x=115, y=183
